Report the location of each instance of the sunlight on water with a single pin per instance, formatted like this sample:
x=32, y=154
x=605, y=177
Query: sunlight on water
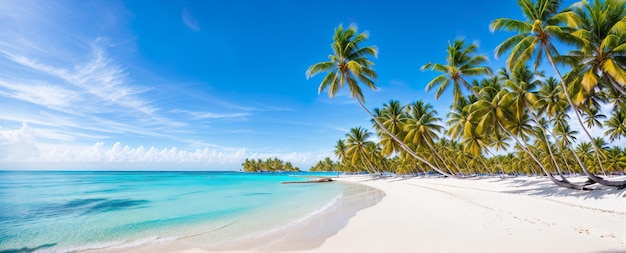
x=66, y=211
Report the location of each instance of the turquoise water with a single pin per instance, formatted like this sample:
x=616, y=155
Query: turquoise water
x=72, y=211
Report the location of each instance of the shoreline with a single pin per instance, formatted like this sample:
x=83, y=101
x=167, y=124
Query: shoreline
x=304, y=233
x=471, y=215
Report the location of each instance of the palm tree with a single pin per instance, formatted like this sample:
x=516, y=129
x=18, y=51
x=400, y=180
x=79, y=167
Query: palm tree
x=535, y=36
x=593, y=116
x=493, y=114
x=602, y=145
x=601, y=27
x=475, y=143
x=350, y=64
x=422, y=127
x=422, y=124
x=461, y=62
x=616, y=125
x=522, y=83
x=458, y=117
x=616, y=160
x=340, y=151
x=357, y=148
x=393, y=119
x=584, y=150
x=551, y=98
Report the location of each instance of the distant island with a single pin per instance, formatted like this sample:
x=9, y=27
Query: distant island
x=268, y=165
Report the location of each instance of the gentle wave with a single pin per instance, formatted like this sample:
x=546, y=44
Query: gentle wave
x=289, y=226
x=126, y=244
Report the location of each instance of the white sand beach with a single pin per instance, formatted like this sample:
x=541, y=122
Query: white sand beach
x=485, y=215
x=472, y=215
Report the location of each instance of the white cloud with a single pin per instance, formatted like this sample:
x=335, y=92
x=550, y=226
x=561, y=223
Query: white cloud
x=39, y=93
x=18, y=144
x=99, y=76
x=19, y=148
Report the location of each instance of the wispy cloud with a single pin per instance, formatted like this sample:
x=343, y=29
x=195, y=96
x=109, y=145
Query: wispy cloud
x=99, y=76
x=268, y=108
x=189, y=20
x=40, y=93
x=93, y=95
x=210, y=115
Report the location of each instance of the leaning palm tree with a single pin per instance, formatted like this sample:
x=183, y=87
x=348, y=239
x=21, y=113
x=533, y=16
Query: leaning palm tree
x=535, y=39
x=461, y=62
x=422, y=127
x=357, y=148
x=350, y=65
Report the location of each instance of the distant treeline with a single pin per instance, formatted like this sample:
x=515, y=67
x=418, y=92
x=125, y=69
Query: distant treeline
x=327, y=165
x=267, y=165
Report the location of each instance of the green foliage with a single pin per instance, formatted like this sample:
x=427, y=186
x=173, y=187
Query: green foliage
x=349, y=64
x=518, y=110
x=267, y=165
x=326, y=165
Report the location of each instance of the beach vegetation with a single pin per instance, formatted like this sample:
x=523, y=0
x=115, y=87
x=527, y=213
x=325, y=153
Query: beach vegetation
x=515, y=121
x=326, y=165
x=350, y=65
x=268, y=165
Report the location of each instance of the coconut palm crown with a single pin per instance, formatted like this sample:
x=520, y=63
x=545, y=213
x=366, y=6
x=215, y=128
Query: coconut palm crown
x=536, y=33
x=349, y=64
x=461, y=62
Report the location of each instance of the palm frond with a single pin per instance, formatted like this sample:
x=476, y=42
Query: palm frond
x=436, y=81
x=509, y=43
x=616, y=71
x=328, y=80
x=319, y=67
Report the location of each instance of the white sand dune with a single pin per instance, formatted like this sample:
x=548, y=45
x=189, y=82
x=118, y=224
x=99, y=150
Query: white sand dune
x=473, y=215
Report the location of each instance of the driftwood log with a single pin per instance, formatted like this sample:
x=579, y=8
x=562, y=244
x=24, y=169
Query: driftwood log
x=318, y=180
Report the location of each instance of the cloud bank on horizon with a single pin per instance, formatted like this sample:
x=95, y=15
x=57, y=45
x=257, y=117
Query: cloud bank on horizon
x=20, y=149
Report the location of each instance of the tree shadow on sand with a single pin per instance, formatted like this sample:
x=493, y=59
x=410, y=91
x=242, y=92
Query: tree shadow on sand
x=28, y=250
x=546, y=188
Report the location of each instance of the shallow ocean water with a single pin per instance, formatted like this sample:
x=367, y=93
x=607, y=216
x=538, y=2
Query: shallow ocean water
x=62, y=211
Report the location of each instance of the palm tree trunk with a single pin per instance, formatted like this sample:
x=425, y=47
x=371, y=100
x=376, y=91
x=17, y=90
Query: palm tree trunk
x=372, y=167
x=590, y=175
x=524, y=146
x=545, y=136
x=617, y=86
x=436, y=154
x=404, y=146
x=456, y=165
x=484, y=165
x=563, y=156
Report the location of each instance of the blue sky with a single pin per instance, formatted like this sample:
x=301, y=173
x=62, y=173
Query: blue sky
x=206, y=84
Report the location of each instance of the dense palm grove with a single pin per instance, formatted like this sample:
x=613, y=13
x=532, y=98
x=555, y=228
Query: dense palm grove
x=268, y=165
x=517, y=110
